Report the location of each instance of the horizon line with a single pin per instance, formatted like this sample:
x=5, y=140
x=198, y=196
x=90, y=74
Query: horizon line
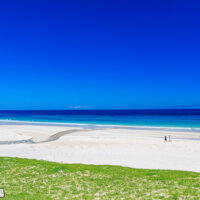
x=198, y=108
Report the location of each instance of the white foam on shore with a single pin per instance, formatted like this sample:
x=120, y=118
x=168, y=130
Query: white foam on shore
x=85, y=125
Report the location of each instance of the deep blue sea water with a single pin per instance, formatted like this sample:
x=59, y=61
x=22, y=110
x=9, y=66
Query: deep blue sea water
x=185, y=118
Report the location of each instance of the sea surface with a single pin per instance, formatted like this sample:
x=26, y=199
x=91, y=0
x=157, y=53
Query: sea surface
x=181, y=118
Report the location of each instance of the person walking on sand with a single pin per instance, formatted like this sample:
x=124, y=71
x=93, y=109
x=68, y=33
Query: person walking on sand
x=165, y=138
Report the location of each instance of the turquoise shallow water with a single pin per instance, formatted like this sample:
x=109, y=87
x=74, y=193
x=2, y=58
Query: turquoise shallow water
x=154, y=118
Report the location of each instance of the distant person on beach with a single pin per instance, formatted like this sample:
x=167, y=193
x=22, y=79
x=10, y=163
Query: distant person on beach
x=165, y=138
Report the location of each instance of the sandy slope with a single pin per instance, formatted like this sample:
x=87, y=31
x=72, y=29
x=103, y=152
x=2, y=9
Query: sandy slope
x=115, y=146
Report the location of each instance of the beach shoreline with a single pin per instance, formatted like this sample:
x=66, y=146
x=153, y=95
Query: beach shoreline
x=97, y=125
x=104, y=145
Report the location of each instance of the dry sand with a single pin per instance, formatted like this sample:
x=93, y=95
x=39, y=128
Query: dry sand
x=138, y=148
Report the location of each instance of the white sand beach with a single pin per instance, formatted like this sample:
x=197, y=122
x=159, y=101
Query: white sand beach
x=137, y=148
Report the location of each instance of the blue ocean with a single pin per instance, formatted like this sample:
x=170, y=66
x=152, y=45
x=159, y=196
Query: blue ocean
x=184, y=118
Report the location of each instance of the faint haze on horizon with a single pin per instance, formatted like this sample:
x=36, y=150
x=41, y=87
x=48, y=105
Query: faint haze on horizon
x=108, y=108
x=99, y=54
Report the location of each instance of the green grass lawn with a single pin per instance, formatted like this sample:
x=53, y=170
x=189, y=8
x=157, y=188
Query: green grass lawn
x=33, y=179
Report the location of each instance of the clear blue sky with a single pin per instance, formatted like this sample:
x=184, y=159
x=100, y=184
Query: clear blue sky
x=99, y=54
